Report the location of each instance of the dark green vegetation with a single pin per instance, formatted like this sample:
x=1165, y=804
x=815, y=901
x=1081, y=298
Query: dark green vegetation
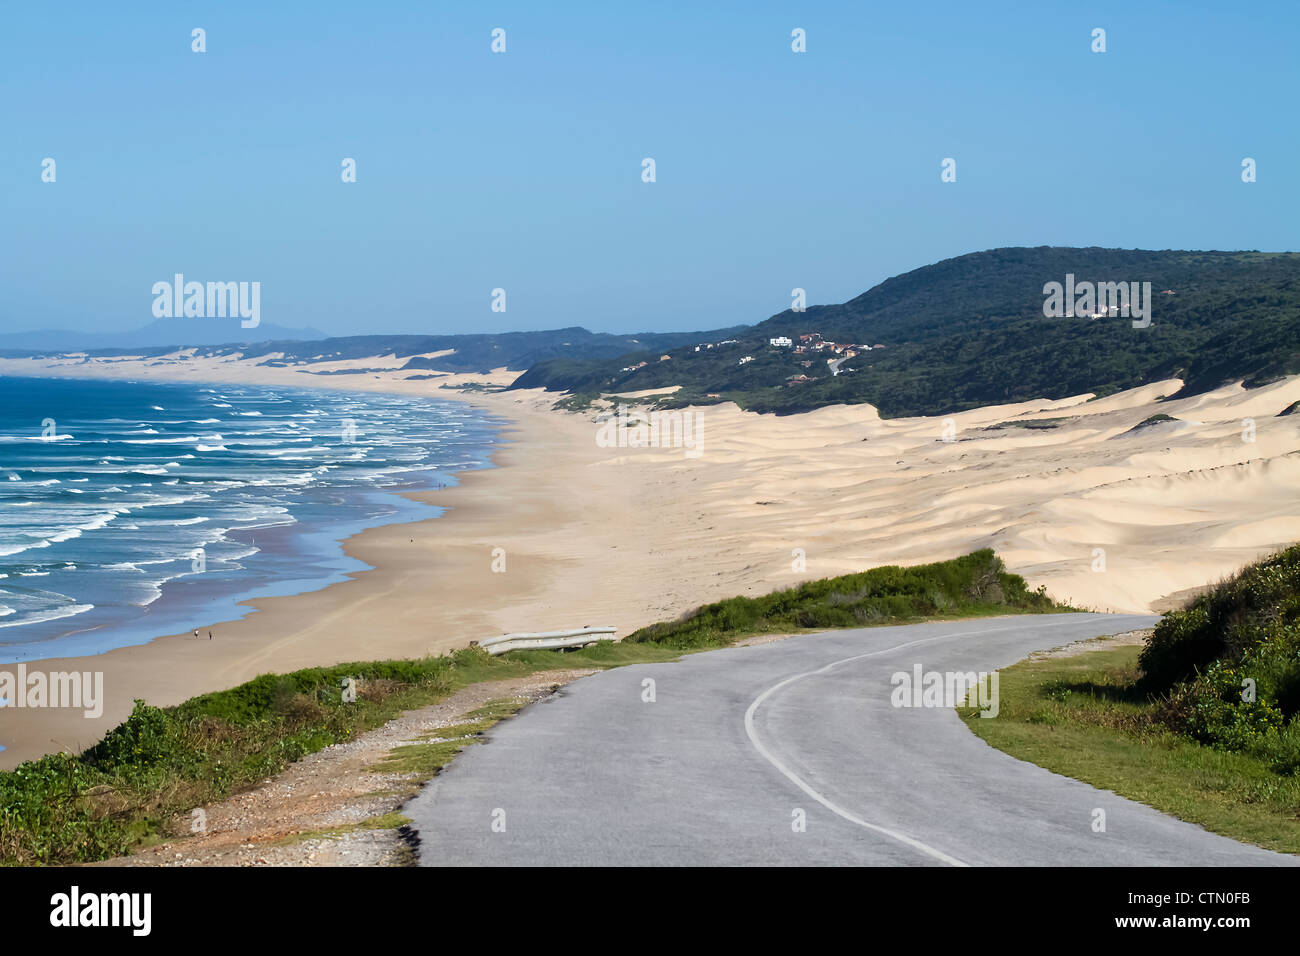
x=977, y=584
x=1228, y=666
x=1148, y=422
x=1033, y=424
x=970, y=331
x=1201, y=722
x=162, y=762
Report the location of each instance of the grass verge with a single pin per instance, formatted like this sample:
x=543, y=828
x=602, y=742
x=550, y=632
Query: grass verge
x=387, y=821
x=1087, y=717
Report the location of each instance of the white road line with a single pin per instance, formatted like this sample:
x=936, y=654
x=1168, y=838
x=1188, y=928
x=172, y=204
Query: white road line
x=802, y=785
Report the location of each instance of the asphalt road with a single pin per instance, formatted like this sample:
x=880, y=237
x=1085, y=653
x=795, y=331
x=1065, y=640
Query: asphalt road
x=737, y=741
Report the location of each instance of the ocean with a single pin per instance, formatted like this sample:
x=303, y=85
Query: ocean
x=129, y=510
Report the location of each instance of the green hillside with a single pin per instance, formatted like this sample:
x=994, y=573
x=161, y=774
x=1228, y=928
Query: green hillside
x=972, y=585
x=970, y=331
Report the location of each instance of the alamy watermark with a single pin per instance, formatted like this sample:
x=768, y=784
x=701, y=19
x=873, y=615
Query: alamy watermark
x=658, y=429
x=1098, y=300
x=945, y=689
x=61, y=689
x=213, y=300
x=128, y=910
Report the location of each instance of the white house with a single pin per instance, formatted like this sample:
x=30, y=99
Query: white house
x=781, y=342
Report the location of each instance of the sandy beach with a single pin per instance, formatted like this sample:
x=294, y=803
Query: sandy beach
x=1102, y=515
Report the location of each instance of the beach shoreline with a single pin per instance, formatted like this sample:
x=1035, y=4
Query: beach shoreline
x=561, y=532
x=374, y=613
x=273, y=527
x=173, y=667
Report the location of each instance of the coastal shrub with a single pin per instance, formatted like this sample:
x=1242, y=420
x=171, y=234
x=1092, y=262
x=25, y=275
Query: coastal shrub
x=977, y=583
x=1225, y=671
x=1248, y=705
x=135, y=745
x=41, y=812
x=1226, y=622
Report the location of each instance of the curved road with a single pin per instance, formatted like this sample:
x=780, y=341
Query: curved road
x=713, y=771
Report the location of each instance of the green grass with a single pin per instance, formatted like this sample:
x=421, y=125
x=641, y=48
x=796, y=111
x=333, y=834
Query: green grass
x=388, y=821
x=1087, y=717
x=423, y=760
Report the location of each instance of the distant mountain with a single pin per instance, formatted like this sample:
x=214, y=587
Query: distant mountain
x=162, y=333
x=277, y=346
x=970, y=331
x=470, y=353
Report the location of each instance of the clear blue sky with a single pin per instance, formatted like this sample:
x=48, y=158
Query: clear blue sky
x=523, y=170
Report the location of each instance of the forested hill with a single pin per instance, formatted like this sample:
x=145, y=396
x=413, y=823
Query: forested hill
x=970, y=331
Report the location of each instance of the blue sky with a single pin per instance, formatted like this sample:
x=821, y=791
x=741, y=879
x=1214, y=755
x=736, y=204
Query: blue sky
x=522, y=170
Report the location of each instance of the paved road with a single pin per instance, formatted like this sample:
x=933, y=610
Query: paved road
x=737, y=740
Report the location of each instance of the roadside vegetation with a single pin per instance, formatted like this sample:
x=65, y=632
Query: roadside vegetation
x=1203, y=722
x=160, y=762
x=971, y=586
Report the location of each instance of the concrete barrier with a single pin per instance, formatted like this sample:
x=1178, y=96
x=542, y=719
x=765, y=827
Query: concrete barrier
x=579, y=637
